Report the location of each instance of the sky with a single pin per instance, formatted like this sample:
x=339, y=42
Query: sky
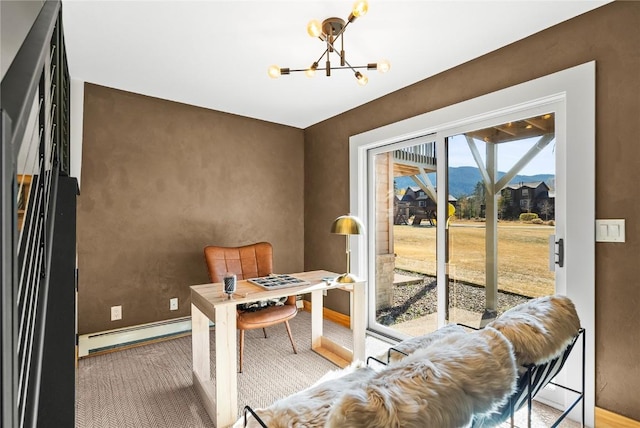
x=508, y=154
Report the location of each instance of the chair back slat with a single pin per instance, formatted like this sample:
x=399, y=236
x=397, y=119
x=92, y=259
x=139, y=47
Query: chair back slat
x=248, y=261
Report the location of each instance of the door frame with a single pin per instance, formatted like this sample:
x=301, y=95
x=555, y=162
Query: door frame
x=575, y=169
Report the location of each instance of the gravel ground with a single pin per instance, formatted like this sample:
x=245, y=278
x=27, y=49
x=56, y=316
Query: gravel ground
x=417, y=300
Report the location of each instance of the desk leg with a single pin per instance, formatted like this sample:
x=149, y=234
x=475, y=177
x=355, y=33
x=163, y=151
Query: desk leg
x=358, y=321
x=220, y=399
x=226, y=366
x=326, y=347
x=201, y=360
x=316, y=319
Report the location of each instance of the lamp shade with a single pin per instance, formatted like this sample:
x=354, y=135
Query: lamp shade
x=347, y=225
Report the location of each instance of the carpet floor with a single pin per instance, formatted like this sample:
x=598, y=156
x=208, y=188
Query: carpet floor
x=150, y=386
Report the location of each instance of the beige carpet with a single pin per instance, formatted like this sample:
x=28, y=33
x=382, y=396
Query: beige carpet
x=150, y=386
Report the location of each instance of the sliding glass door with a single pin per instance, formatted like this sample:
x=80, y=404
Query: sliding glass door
x=498, y=216
x=403, y=195
x=501, y=186
x=509, y=170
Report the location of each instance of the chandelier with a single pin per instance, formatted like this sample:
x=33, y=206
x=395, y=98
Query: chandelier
x=330, y=32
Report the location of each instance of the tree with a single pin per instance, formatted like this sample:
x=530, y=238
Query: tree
x=546, y=208
x=465, y=207
x=479, y=198
x=504, y=204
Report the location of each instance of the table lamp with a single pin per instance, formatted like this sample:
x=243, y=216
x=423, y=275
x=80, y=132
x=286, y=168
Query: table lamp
x=347, y=225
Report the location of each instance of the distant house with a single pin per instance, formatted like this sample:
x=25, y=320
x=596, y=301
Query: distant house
x=415, y=202
x=535, y=197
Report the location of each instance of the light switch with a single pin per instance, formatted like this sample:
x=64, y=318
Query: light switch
x=602, y=231
x=610, y=230
x=614, y=231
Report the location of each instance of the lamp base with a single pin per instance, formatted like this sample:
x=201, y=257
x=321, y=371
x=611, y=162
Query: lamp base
x=347, y=278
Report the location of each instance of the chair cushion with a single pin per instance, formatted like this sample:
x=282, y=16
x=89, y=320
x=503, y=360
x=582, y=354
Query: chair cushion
x=266, y=317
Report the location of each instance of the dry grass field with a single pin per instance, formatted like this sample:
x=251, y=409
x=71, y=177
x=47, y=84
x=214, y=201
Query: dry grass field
x=522, y=254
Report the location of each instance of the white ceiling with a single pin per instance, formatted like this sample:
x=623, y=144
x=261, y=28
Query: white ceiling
x=215, y=54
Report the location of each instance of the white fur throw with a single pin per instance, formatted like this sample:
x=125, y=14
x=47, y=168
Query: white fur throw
x=449, y=377
x=309, y=408
x=539, y=329
x=410, y=346
x=442, y=385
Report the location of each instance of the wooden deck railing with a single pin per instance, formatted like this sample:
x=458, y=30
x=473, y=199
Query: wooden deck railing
x=418, y=154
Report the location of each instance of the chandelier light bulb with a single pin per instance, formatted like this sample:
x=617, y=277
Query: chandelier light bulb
x=383, y=66
x=274, y=71
x=314, y=28
x=362, y=79
x=311, y=71
x=360, y=8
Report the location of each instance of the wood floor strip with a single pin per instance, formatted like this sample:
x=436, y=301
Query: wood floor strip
x=331, y=315
x=607, y=419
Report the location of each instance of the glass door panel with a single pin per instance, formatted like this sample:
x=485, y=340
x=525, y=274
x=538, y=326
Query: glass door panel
x=404, y=240
x=501, y=182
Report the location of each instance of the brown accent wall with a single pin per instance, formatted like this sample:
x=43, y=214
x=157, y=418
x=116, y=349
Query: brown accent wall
x=609, y=35
x=160, y=180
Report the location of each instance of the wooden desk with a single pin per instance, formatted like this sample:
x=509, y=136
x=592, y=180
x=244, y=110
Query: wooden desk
x=208, y=302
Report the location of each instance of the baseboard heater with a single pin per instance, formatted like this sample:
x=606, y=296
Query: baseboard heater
x=95, y=342
x=110, y=339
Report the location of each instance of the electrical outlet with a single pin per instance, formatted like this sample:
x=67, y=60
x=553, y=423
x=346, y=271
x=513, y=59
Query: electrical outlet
x=116, y=313
x=173, y=304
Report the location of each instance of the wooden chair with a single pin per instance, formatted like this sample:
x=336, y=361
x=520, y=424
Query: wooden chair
x=250, y=261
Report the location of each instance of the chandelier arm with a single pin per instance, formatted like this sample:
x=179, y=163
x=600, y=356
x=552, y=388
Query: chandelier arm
x=342, y=58
x=339, y=68
x=349, y=65
x=323, y=54
x=342, y=54
x=328, y=52
x=339, y=35
x=293, y=70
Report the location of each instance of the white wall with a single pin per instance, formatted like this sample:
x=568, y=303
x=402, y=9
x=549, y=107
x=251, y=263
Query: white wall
x=77, y=117
x=16, y=19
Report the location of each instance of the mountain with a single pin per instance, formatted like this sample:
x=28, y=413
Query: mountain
x=462, y=180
